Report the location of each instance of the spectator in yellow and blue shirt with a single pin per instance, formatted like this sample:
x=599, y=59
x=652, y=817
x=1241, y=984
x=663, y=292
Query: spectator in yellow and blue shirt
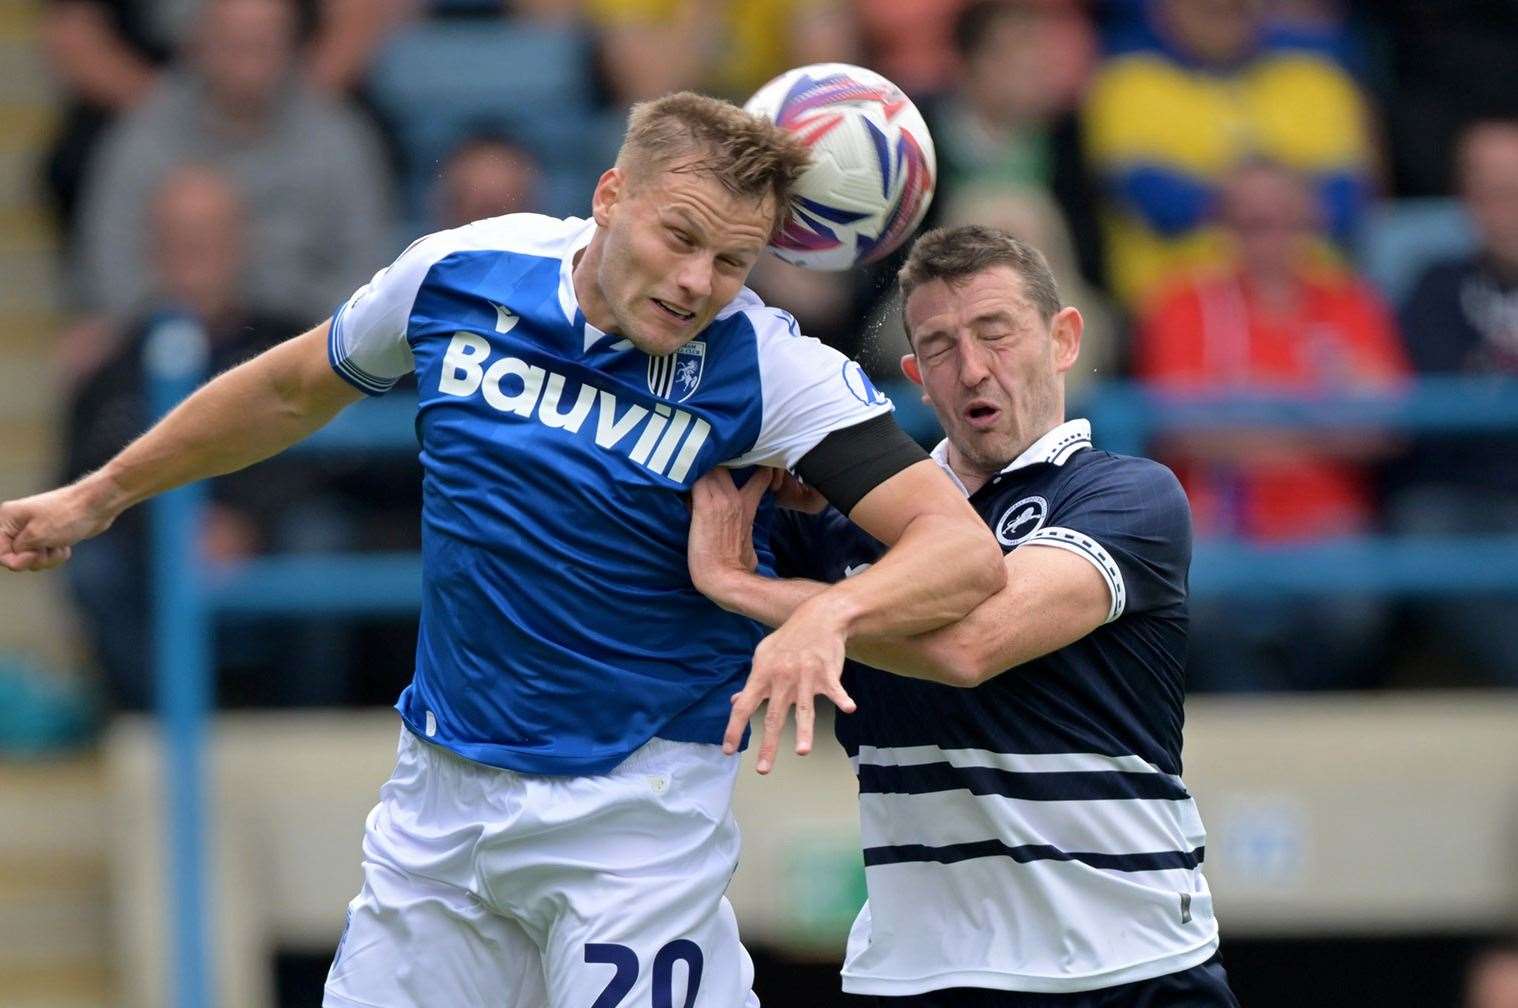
x=1165, y=124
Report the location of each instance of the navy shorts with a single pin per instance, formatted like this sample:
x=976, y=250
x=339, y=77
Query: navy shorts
x=1204, y=986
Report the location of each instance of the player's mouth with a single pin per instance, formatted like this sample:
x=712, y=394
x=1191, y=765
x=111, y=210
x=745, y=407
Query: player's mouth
x=981, y=415
x=678, y=314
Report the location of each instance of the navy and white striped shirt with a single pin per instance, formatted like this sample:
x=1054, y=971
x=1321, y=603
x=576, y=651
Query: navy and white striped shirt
x=1033, y=833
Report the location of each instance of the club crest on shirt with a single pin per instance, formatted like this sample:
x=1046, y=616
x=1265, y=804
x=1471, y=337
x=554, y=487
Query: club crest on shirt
x=1021, y=520
x=676, y=376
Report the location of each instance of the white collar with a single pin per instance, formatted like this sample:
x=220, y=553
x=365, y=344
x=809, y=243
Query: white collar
x=568, y=303
x=1055, y=448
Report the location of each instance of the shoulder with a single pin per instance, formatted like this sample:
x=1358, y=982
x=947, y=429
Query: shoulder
x=1130, y=471
x=175, y=96
x=157, y=125
x=1124, y=481
x=324, y=119
x=1305, y=74
x=1133, y=507
x=522, y=234
x=1169, y=324
x=1181, y=296
x=511, y=234
x=1135, y=78
x=776, y=336
x=749, y=312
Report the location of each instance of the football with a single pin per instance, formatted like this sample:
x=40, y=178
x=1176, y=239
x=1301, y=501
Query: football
x=873, y=167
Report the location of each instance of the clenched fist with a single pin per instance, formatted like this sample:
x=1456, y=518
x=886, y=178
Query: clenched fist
x=39, y=532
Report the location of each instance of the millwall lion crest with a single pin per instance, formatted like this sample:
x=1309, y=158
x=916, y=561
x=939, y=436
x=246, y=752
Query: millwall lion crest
x=676, y=376
x=1021, y=520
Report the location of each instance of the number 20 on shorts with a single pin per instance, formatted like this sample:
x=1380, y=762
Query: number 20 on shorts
x=626, y=962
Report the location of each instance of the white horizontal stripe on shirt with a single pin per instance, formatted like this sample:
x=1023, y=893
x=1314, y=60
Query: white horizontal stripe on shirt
x=1014, y=762
x=1138, y=826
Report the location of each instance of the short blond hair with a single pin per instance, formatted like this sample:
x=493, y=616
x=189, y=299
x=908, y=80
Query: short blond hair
x=748, y=154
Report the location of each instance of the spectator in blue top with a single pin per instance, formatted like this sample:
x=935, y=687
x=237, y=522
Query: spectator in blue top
x=1462, y=319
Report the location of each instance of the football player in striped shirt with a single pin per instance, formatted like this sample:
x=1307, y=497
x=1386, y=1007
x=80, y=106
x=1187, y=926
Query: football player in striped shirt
x=558, y=829
x=1028, y=839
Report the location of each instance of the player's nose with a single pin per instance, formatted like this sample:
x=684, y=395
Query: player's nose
x=974, y=361
x=695, y=279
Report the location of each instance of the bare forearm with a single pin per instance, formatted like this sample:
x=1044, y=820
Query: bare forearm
x=916, y=615
x=243, y=416
x=937, y=572
x=766, y=600
x=1051, y=599
x=934, y=656
x=349, y=34
x=933, y=576
x=86, y=53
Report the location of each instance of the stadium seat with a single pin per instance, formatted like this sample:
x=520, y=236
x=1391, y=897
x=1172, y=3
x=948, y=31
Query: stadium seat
x=1402, y=238
x=436, y=82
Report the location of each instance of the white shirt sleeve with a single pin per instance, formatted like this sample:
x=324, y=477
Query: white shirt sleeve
x=808, y=390
x=367, y=345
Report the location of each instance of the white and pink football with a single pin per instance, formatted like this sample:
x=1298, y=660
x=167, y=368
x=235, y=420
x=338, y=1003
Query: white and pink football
x=873, y=167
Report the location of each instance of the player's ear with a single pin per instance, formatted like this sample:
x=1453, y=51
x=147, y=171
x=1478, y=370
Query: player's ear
x=913, y=371
x=1066, y=331
x=609, y=188
x=910, y=369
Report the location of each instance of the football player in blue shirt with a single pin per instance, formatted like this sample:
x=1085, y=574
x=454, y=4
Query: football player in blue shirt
x=1028, y=840
x=558, y=827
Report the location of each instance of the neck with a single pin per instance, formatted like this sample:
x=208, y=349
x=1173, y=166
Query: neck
x=1276, y=289
x=587, y=292
x=974, y=474
x=997, y=120
x=239, y=120
x=207, y=306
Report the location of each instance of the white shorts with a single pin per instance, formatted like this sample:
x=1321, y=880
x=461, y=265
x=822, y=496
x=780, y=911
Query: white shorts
x=485, y=887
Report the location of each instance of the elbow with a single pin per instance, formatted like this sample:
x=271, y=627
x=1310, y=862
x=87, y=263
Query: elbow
x=963, y=664
x=985, y=561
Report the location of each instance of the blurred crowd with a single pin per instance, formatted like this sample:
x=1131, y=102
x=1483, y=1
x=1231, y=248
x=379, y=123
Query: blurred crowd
x=1242, y=196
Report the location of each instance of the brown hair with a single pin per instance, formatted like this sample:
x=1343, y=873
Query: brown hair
x=748, y=154
x=955, y=254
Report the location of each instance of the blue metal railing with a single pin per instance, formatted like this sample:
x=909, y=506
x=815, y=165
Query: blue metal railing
x=175, y=361
x=1125, y=417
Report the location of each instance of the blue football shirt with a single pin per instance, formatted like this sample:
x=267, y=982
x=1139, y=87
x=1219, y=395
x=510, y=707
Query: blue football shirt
x=559, y=627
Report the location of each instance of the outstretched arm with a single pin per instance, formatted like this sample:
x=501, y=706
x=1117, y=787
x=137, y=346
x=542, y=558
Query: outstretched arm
x=243, y=416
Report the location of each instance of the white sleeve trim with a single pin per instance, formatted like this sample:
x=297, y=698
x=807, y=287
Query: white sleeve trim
x=346, y=367
x=1083, y=545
